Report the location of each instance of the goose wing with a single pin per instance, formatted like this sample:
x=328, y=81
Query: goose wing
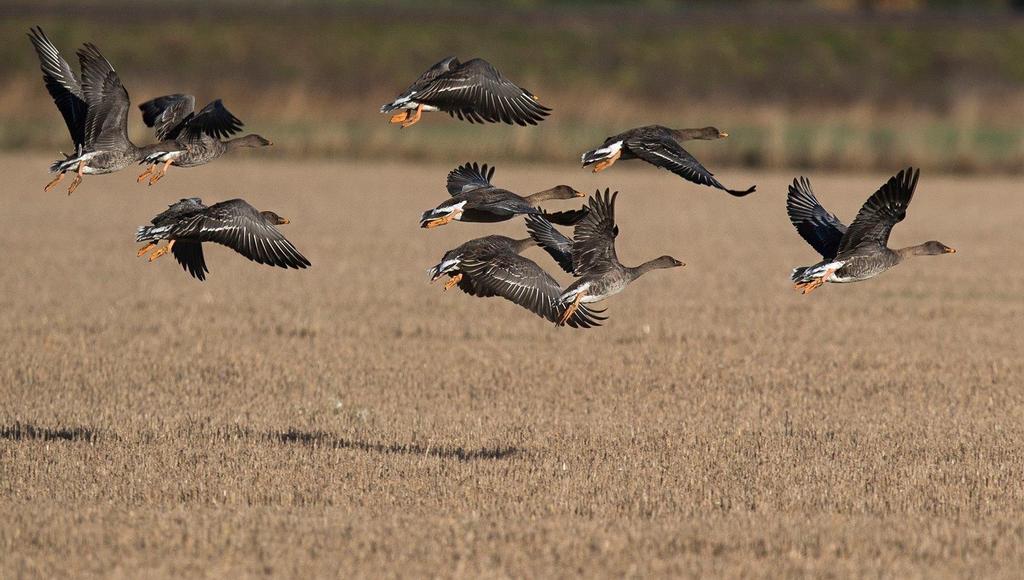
x=214, y=121
x=167, y=114
x=551, y=241
x=469, y=177
x=884, y=209
x=822, y=230
x=62, y=84
x=593, y=247
x=666, y=153
x=106, y=121
x=190, y=255
x=522, y=282
x=239, y=226
x=477, y=92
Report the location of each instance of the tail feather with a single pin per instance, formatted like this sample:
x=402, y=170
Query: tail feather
x=805, y=274
x=595, y=155
x=601, y=153
x=150, y=233
x=433, y=214
x=798, y=274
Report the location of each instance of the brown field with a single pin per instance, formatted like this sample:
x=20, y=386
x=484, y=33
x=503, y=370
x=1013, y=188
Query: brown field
x=352, y=420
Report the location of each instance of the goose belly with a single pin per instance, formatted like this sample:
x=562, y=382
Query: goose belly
x=598, y=291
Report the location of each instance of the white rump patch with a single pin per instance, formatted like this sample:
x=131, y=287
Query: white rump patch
x=603, y=152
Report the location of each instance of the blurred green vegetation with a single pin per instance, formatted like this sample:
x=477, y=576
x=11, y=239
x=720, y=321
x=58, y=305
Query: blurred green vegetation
x=793, y=83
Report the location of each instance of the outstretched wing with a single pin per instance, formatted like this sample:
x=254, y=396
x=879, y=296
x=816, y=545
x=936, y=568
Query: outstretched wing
x=523, y=282
x=883, y=210
x=106, y=121
x=551, y=241
x=213, y=120
x=476, y=92
x=822, y=230
x=168, y=114
x=666, y=153
x=593, y=245
x=190, y=256
x=239, y=226
x=469, y=177
x=62, y=84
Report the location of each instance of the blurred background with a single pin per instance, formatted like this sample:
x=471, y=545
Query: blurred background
x=837, y=84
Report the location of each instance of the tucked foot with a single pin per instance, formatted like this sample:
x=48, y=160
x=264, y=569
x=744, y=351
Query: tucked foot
x=157, y=176
x=75, y=183
x=414, y=118
x=146, y=248
x=605, y=164
x=808, y=287
x=571, y=309
x=440, y=221
x=53, y=183
x=149, y=171
x=78, y=177
x=400, y=116
x=453, y=281
x=161, y=251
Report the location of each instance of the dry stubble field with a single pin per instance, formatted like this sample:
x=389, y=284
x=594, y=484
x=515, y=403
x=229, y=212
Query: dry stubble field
x=352, y=419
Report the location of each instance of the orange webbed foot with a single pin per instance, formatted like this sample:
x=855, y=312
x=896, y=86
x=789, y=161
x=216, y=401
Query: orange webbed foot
x=454, y=280
x=605, y=164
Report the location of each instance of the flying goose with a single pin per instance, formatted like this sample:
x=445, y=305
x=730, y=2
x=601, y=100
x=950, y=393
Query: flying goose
x=860, y=251
x=593, y=259
x=475, y=199
x=188, y=223
x=474, y=91
x=660, y=147
x=492, y=266
x=95, y=110
x=191, y=138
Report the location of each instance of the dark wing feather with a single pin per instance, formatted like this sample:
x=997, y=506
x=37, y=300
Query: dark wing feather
x=106, y=122
x=476, y=92
x=469, y=177
x=176, y=211
x=214, y=121
x=522, y=282
x=668, y=154
x=551, y=241
x=168, y=114
x=62, y=84
x=568, y=217
x=593, y=247
x=822, y=230
x=190, y=256
x=883, y=210
x=239, y=226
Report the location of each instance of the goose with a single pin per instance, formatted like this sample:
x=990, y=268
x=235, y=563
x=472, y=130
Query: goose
x=591, y=256
x=192, y=138
x=660, y=147
x=474, y=91
x=492, y=266
x=95, y=110
x=188, y=223
x=475, y=199
x=860, y=251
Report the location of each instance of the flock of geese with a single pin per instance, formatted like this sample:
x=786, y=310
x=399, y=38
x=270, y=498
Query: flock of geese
x=95, y=107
